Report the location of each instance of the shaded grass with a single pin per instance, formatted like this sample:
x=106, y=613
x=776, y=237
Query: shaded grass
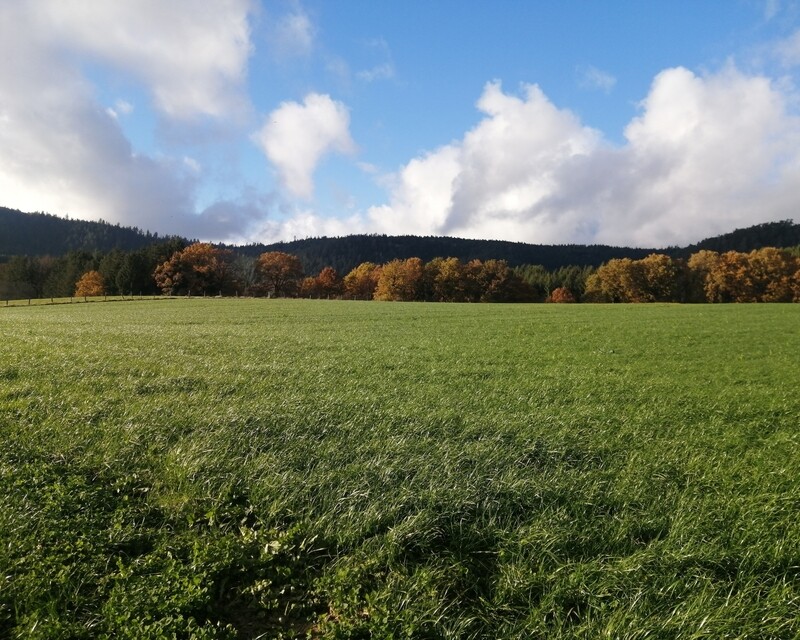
x=238, y=468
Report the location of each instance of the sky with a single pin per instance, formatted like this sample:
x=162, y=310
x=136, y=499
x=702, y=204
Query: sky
x=647, y=123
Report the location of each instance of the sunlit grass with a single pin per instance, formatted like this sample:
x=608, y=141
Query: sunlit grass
x=214, y=467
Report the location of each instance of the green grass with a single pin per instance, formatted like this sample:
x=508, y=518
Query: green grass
x=255, y=468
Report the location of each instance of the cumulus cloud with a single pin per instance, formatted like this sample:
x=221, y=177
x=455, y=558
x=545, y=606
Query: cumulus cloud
x=64, y=153
x=296, y=136
x=193, y=59
x=305, y=223
x=705, y=155
x=484, y=185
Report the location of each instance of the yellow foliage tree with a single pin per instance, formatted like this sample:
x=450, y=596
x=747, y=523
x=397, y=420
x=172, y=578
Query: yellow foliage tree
x=360, y=283
x=400, y=280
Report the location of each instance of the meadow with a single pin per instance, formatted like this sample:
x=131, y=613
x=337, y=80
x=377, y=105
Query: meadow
x=292, y=468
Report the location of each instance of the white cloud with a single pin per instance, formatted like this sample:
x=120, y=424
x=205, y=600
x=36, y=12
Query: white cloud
x=787, y=50
x=707, y=154
x=305, y=223
x=595, y=79
x=62, y=152
x=293, y=35
x=296, y=136
x=193, y=59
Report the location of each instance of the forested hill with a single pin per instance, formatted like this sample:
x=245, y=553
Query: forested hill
x=38, y=234
x=345, y=253
x=770, y=234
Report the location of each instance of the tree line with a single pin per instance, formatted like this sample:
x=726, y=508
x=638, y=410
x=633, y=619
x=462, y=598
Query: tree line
x=202, y=269
x=761, y=275
x=175, y=267
x=123, y=272
x=41, y=234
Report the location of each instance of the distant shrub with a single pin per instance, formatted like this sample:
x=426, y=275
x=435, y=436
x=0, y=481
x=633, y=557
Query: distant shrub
x=561, y=294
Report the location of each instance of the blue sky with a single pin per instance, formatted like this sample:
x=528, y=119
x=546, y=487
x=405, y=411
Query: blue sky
x=621, y=122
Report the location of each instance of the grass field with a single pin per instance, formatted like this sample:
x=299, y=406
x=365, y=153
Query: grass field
x=255, y=468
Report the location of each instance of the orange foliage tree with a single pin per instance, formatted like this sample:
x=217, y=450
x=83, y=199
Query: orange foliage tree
x=90, y=284
x=561, y=294
x=199, y=269
x=278, y=274
x=308, y=288
x=656, y=278
x=329, y=284
x=763, y=275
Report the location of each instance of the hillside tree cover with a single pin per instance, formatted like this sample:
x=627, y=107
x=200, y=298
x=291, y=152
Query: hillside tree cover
x=37, y=234
x=174, y=268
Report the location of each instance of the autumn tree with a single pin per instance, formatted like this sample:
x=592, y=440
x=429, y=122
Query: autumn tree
x=308, y=288
x=495, y=281
x=400, y=280
x=444, y=280
x=200, y=268
x=618, y=280
x=699, y=266
x=90, y=285
x=731, y=279
x=329, y=284
x=360, y=283
x=795, y=283
x=561, y=295
x=772, y=272
x=661, y=279
x=278, y=274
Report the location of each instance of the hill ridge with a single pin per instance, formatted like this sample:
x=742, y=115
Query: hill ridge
x=46, y=234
